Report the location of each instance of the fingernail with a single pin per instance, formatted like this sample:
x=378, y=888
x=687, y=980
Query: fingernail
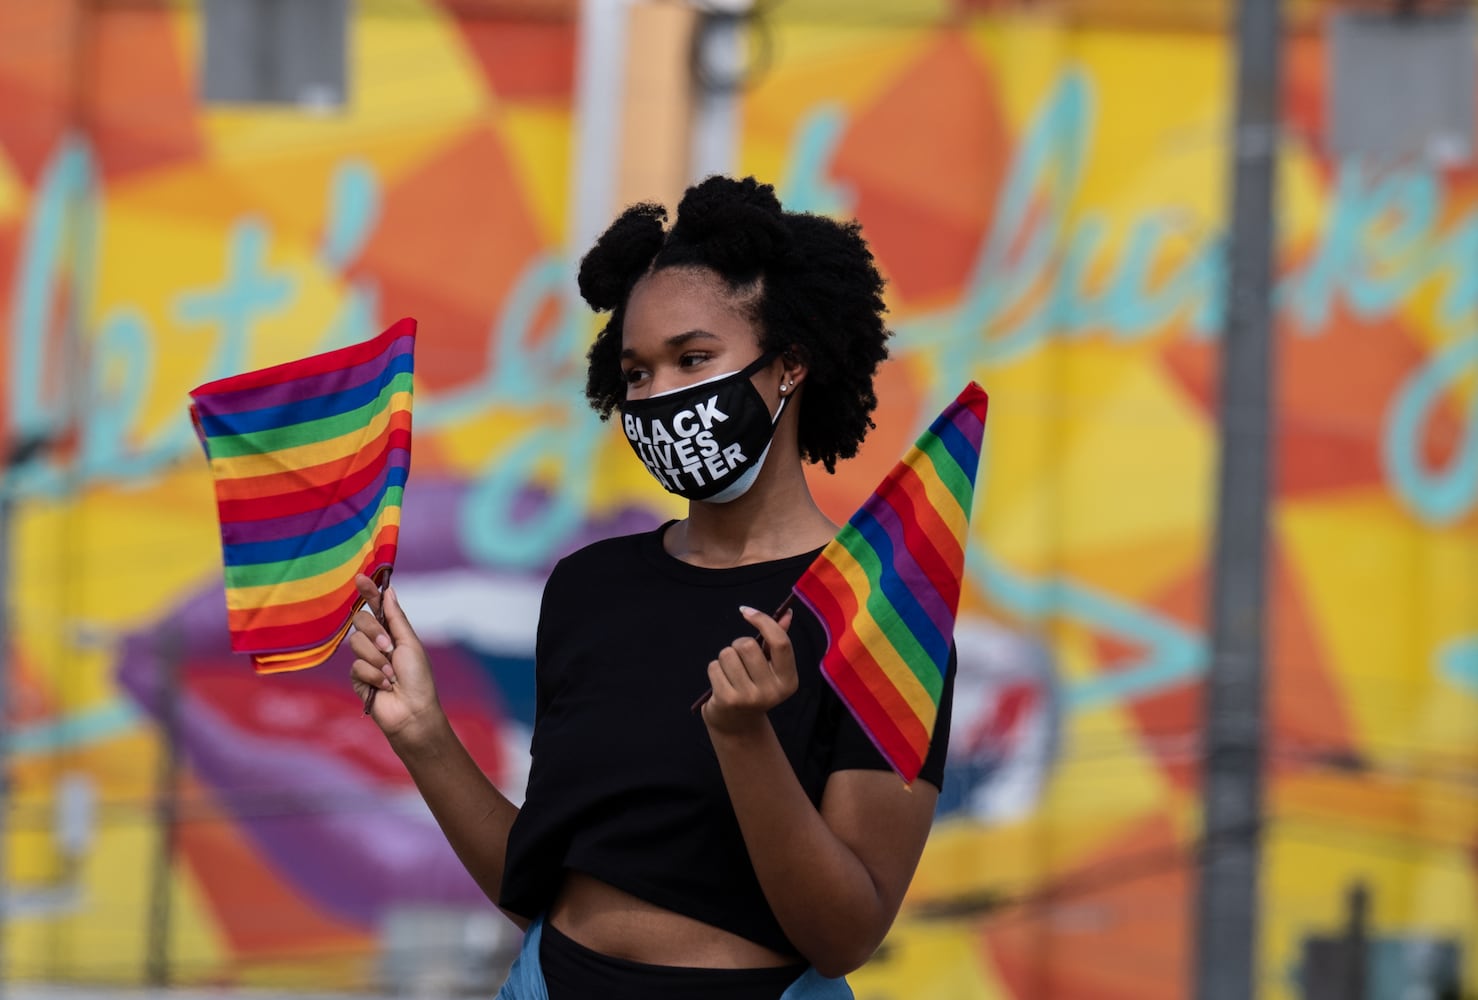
x=746, y=610
x=383, y=643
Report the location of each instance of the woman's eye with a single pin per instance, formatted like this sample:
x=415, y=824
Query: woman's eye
x=631, y=376
x=692, y=360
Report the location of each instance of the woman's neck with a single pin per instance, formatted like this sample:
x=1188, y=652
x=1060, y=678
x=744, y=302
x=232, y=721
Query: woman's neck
x=775, y=519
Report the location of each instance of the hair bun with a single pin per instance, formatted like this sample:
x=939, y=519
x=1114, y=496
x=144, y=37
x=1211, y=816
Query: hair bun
x=739, y=224
x=621, y=255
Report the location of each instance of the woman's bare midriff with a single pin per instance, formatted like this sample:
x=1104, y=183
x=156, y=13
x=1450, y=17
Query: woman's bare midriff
x=615, y=923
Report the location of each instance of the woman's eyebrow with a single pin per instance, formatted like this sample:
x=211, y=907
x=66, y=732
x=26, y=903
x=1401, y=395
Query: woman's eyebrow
x=676, y=340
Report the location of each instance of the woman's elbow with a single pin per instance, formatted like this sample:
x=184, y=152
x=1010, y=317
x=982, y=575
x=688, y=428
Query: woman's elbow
x=836, y=970
x=846, y=955
x=835, y=966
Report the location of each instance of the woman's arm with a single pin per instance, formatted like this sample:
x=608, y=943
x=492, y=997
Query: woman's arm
x=472, y=813
x=836, y=877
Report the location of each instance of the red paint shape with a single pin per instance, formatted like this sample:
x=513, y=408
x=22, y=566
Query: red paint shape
x=923, y=254
x=32, y=700
x=1305, y=703
x=1168, y=720
x=1335, y=388
x=57, y=378
x=1305, y=99
x=38, y=61
x=9, y=255
x=898, y=419
x=997, y=730
x=454, y=279
x=257, y=914
x=140, y=109
x=926, y=161
x=316, y=709
x=523, y=60
x=1169, y=723
x=1116, y=927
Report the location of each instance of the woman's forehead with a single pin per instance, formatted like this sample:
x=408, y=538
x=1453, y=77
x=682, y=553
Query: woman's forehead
x=693, y=284
x=670, y=303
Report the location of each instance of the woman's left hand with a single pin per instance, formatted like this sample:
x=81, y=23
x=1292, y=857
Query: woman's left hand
x=751, y=676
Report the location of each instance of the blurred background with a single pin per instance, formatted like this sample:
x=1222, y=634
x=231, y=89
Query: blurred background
x=192, y=188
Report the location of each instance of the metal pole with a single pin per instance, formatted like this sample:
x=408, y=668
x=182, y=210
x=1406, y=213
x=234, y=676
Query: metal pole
x=170, y=658
x=721, y=35
x=600, y=77
x=1355, y=944
x=1226, y=932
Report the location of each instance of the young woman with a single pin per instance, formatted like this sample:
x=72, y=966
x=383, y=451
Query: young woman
x=758, y=847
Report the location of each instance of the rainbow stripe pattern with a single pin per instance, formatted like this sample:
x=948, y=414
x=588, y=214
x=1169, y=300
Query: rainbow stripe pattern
x=887, y=587
x=310, y=460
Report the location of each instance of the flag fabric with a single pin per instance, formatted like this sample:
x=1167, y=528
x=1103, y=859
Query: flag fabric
x=886, y=589
x=309, y=460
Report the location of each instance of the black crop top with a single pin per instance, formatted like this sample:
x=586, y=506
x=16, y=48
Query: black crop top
x=624, y=784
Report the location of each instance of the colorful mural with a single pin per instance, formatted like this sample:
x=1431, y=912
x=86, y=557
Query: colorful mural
x=1046, y=198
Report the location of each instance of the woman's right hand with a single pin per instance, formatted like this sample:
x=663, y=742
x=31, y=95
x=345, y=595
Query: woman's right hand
x=390, y=660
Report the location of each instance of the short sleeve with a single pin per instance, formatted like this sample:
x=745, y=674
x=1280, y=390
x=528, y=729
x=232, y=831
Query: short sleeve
x=852, y=749
x=551, y=607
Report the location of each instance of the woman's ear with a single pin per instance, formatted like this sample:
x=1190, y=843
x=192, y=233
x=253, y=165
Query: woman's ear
x=793, y=372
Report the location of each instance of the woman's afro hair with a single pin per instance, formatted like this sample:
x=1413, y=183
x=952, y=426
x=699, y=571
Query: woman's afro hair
x=820, y=297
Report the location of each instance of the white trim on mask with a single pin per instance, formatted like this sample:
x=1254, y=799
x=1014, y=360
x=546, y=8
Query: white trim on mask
x=690, y=385
x=714, y=378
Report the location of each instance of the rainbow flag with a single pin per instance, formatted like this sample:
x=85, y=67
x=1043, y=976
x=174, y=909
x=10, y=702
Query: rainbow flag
x=887, y=588
x=310, y=461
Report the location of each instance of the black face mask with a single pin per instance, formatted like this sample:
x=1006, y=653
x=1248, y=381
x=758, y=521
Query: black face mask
x=705, y=441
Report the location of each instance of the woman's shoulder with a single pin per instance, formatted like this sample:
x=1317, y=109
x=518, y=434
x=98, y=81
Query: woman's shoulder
x=624, y=554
